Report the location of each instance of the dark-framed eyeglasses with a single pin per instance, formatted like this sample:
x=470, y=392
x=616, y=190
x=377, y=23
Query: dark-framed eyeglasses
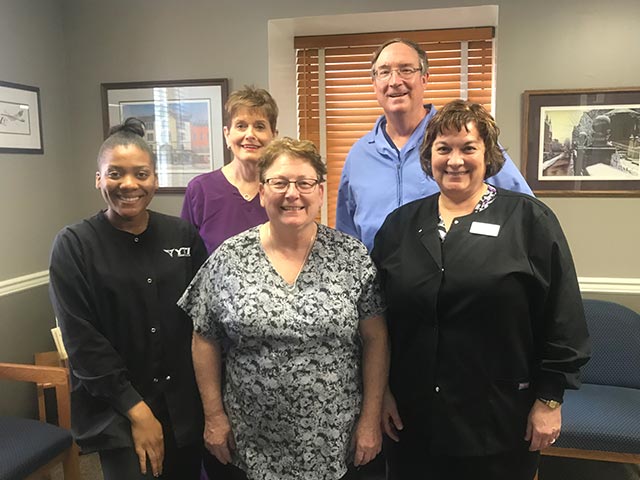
x=281, y=185
x=384, y=73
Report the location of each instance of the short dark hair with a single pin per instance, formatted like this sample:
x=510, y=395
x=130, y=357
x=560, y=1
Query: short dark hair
x=422, y=55
x=455, y=116
x=131, y=132
x=252, y=98
x=303, y=149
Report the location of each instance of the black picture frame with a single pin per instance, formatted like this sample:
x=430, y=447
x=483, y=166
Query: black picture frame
x=184, y=124
x=582, y=142
x=20, y=119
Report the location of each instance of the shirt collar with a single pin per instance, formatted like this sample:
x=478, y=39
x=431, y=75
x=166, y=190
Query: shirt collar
x=383, y=141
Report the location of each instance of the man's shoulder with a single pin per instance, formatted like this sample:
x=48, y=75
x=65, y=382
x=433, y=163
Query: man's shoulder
x=366, y=140
x=363, y=149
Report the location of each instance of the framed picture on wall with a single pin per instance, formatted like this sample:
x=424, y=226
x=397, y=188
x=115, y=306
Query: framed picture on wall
x=184, y=124
x=20, y=120
x=582, y=142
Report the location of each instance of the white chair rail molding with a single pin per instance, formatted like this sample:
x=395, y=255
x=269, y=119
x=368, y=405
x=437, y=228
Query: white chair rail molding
x=587, y=284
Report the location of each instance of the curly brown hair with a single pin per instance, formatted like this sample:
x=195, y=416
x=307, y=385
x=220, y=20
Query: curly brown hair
x=303, y=149
x=455, y=116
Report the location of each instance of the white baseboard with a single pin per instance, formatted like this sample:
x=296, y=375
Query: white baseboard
x=25, y=282
x=587, y=284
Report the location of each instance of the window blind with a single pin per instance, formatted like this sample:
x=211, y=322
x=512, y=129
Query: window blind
x=335, y=98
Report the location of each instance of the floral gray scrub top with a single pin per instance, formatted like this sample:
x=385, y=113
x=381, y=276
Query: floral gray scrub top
x=293, y=381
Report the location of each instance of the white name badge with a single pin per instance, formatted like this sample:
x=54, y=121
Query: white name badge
x=489, y=229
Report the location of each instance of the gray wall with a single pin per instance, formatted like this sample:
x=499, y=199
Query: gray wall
x=37, y=192
x=69, y=47
x=25, y=321
x=541, y=44
x=574, y=44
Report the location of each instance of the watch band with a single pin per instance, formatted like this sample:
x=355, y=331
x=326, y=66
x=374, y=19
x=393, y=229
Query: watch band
x=550, y=403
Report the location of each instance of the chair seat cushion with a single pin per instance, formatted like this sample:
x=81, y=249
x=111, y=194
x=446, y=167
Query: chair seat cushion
x=601, y=417
x=26, y=445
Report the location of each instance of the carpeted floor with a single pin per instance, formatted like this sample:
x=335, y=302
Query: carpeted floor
x=555, y=468
x=551, y=468
x=89, y=468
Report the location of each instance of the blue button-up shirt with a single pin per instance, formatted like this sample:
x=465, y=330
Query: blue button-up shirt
x=377, y=178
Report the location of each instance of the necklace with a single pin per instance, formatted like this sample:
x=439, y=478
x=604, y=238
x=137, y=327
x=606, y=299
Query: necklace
x=291, y=287
x=248, y=192
x=238, y=180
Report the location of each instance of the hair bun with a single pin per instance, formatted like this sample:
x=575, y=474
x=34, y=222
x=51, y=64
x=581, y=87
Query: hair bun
x=130, y=125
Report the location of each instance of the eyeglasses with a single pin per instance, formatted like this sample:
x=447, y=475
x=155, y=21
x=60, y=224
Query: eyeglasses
x=384, y=73
x=281, y=185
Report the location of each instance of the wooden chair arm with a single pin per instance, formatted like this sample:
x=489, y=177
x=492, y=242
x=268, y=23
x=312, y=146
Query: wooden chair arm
x=58, y=377
x=34, y=373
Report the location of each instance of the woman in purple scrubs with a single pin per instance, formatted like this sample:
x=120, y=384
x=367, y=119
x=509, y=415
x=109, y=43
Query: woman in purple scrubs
x=225, y=202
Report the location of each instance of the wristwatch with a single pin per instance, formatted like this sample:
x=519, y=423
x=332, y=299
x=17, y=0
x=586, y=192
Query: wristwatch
x=553, y=404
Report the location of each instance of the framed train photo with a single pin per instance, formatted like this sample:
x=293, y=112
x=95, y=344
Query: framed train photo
x=582, y=142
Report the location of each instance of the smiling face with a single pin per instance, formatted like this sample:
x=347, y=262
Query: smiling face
x=248, y=134
x=291, y=209
x=458, y=162
x=398, y=95
x=127, y=181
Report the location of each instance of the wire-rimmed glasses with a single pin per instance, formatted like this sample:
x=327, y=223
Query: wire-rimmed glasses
x=384, y=73
x=281, y=185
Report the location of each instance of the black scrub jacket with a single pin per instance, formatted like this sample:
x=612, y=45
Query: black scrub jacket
x=114, y=294
x=480, y=324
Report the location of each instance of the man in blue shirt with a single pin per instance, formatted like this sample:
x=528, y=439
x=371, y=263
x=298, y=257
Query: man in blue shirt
x=382, y=170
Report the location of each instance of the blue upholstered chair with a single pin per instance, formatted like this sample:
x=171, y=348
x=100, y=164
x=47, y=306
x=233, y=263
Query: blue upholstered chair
x=601, y=421
x=30, y=448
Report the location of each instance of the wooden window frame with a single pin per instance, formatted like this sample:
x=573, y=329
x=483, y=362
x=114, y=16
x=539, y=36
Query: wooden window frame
x=336, y=103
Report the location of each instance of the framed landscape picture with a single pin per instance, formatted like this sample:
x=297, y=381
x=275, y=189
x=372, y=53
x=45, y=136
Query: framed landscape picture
x=582, y=142
x=184, y=124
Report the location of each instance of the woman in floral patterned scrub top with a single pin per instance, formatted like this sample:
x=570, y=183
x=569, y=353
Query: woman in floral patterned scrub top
x=294, y=309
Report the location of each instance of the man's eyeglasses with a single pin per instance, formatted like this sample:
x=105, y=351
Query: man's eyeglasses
x=403, y=72
x=281, y=185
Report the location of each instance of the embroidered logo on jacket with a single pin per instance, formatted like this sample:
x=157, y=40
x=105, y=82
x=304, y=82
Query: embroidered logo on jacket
x=178, y=252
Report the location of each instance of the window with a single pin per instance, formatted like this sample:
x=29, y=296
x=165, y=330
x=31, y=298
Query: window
x=335, y=99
